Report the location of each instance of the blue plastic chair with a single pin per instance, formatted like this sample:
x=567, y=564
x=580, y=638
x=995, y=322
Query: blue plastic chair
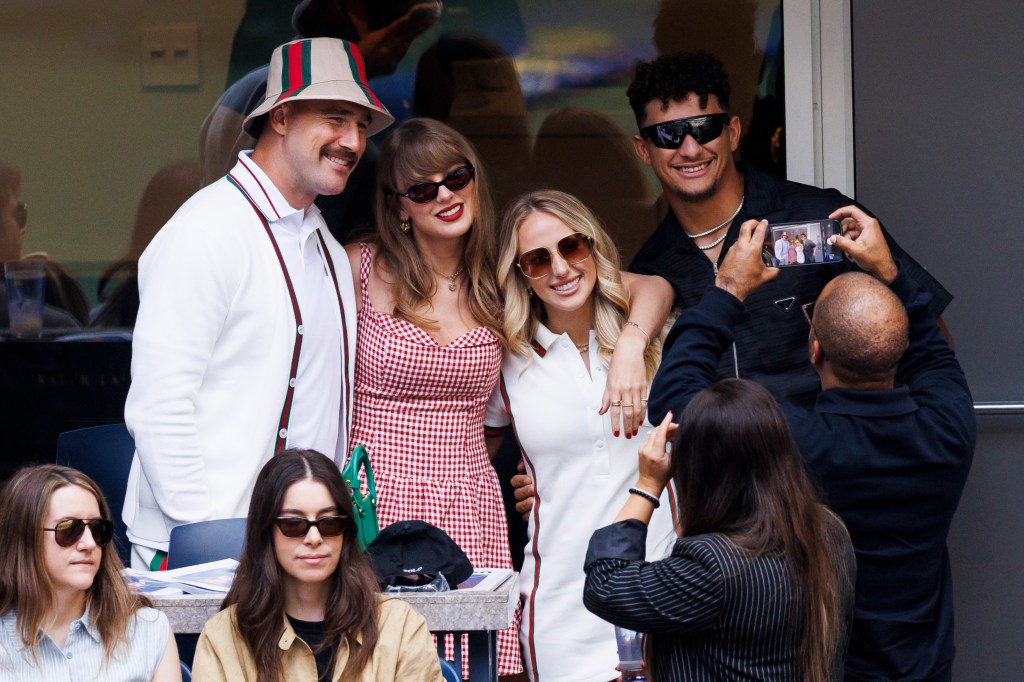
x=96, y=335
x=448, y=671
x=197, y=543
x=104, y=454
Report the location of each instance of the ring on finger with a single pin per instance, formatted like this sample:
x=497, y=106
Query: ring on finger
x=616, y=403
x=629, y=405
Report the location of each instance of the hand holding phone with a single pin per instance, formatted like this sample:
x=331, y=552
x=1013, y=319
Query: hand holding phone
x=742, y=271
x=864, y=243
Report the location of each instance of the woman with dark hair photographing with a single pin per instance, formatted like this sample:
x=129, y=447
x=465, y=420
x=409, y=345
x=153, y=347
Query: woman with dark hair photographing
x=65, y=610
x=760, y=584
x=304, y=604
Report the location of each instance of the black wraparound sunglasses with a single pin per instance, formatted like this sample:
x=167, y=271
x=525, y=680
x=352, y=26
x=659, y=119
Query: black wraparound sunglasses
x=69, y=531
x=423, y=192
x=297, y=527
x=670, y=134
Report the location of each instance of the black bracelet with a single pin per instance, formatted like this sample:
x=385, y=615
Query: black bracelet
x=646, y=495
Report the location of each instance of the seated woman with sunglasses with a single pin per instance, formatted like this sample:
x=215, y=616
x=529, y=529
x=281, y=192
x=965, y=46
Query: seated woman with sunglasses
x=65, y=611
x=304, y=604
x=760, y=584
x=565, y=304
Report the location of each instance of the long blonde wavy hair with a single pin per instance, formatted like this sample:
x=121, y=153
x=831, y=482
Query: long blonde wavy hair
x=416, y=150
x=610, y=296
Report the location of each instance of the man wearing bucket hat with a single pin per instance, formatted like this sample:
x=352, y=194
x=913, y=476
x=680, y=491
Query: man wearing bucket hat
x=245, y=338
x=383, y=36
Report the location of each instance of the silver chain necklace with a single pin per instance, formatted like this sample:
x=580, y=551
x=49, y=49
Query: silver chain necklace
x=706, y=247
x=718, y=241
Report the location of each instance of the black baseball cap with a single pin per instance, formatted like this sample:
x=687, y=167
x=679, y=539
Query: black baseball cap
x=417, y=548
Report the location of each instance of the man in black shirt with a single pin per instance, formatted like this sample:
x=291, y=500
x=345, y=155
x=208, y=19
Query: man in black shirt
x=687, y=137
x=890, y=438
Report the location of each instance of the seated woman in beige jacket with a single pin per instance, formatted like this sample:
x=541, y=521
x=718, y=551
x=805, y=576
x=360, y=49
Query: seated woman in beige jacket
x=304, y=604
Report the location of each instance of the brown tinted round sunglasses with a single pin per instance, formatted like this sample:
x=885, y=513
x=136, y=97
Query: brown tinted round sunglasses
x=575, y=248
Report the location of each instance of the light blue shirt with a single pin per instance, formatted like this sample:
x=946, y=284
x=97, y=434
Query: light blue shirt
x=83, y=658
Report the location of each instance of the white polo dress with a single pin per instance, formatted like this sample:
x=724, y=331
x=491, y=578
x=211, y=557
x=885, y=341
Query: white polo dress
x=581, y=473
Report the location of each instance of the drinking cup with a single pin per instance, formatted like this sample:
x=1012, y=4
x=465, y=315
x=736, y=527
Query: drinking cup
x=25, y=300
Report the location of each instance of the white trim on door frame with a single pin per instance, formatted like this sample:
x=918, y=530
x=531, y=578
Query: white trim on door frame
x=819, y=93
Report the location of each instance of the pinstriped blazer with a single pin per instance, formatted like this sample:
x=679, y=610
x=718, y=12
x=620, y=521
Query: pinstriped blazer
x=712, y=611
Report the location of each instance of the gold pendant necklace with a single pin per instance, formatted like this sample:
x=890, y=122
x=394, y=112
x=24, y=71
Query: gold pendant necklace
x=452, y=286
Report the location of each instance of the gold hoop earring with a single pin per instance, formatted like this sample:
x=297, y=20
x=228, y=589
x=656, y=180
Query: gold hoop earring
x=406, y=226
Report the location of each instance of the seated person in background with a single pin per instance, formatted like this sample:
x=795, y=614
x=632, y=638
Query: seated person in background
x=63, y=290
x=65, y=611
x=890, y=439
x=304, y=604
x=566, y=306
x=60, y=285
x=760, y=584
x=118, y=289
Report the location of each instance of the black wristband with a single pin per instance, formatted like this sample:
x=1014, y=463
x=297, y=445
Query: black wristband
x=646, y=495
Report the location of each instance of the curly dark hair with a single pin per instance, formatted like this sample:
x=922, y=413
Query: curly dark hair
x=673, y=77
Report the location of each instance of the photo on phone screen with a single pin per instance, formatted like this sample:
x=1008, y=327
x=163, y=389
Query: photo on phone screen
x=805, y=243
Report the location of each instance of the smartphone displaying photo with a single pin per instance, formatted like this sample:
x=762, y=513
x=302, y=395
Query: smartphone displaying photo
x=806, y=243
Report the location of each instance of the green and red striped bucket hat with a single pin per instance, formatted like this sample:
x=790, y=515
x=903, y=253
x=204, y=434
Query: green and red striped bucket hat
x=320, y=68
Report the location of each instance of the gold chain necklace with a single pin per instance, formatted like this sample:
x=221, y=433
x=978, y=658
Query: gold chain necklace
x=451, y=280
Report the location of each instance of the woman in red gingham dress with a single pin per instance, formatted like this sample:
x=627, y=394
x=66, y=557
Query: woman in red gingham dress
x=419, y=410
x=429, y=346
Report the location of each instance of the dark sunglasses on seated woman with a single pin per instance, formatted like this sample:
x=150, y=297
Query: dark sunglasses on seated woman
x=69, y=531
x=297, y=527
x=423, y=192
x=670, y=134
x=573, y=249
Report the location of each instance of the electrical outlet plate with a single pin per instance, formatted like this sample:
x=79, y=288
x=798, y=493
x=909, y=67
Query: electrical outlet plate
x=169, y=55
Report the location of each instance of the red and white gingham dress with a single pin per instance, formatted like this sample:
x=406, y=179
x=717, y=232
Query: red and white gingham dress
x=419, y=410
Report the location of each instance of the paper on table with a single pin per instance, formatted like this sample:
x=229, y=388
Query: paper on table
x=139, y=581
x=485, y=579
x=210, y=578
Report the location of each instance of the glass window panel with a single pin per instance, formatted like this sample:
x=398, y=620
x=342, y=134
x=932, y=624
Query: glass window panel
x=104, y=154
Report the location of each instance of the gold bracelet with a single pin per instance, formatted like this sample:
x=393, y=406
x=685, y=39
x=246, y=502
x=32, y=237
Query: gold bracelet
x=630, y=323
